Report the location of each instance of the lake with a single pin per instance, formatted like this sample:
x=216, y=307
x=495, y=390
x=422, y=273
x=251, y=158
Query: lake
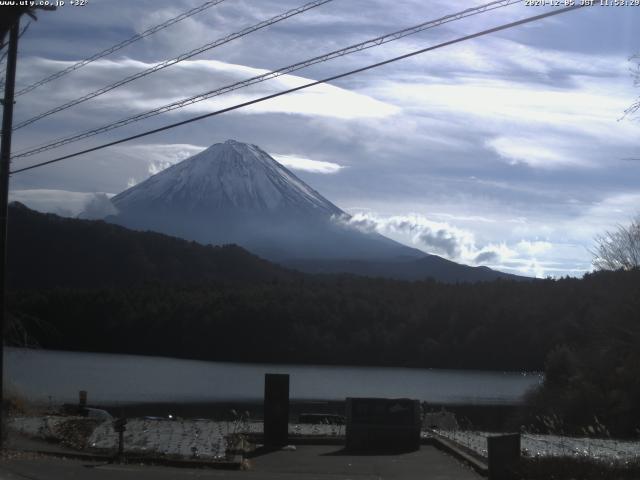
x=120, y=379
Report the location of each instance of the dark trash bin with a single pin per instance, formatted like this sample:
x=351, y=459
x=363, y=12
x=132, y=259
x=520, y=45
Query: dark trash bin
x=503, y=456
x=382, y=424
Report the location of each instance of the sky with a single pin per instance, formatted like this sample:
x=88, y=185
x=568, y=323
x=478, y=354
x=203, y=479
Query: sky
x=510, y=150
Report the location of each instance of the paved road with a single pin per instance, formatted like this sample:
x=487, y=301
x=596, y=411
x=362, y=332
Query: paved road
x=306, y=463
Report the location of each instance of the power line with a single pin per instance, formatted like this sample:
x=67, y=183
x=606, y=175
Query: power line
x=268, y=76
x=173, y=61
x=119, y=46
x=311, y=84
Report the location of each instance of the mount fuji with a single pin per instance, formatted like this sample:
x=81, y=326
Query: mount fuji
x=233, y=192
x=236, y=193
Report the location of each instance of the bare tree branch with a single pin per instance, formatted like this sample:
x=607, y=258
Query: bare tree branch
x=618, y=249
x=635, y=72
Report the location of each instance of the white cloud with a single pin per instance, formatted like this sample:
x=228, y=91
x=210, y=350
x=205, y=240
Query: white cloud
x=524, y=257
x=61, y=202
x=602, y=215
x=307, y=165
x=568, y=123
x=532, y=152
x=533, y=247
x=158, y=156
x=321, y=100
x=616, y=208
x=98, y=207
x=186, y=79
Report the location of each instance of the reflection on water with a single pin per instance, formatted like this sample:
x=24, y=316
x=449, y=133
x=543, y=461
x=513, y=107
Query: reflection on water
x=40, y=374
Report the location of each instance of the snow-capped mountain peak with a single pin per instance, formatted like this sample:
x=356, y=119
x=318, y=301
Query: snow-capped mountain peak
x=229, y=176
x=234, y=192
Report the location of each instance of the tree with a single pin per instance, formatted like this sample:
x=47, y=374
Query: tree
x=618, y=249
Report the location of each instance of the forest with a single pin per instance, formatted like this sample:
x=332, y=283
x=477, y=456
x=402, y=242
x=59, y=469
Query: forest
x=583, y=333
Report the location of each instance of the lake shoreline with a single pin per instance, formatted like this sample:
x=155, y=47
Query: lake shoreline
x=382, y=366
x=55, y=377
x=485, y=417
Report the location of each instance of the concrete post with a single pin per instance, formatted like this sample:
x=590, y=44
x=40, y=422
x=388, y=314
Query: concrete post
x=120, y=425
x=504, y=456
x=276, y=410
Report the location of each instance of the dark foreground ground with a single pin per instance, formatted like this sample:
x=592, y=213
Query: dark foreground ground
x=305, y=463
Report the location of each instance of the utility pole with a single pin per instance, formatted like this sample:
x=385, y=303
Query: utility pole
x=5, y=161
x=10, y=21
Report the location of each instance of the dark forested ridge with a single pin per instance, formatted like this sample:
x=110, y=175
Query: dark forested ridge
x=585, y=334
x=499, y=325
x=101, y=287
x=91, y=286
x=46, y=251
x=410, y=269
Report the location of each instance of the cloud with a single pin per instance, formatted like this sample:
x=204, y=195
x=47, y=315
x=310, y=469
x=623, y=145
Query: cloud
x=532, y=152
x=453, y=135
x=362, y=222
x=185, y=79
x=160, y=156
x=98, y=207
x=433, y=237
x=320, y=100
x=486, y=257
x=616, y=208
x=533, y=247
x=139, y=161
x=522, y=257
x=61, y=202
x=567, y=121
x=440, y=241
x=307, y=165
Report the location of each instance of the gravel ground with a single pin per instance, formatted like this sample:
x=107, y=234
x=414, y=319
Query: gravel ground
x=193, y=438
x=552, y=445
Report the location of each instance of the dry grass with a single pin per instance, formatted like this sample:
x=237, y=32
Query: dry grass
x=75, y=432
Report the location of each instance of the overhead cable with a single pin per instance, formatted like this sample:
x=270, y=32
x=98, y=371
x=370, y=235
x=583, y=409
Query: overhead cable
x=308, y=85
x=118, y=46
x=167, y=63
x=268, y=76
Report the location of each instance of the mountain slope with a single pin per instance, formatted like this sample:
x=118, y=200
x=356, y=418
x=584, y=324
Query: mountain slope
x=45, y=251
x=430, y=266
x=231, y=176
x=236, y=193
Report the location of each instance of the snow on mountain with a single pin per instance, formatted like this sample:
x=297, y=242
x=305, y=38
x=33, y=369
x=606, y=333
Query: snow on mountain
x=230, y=175
x=234, y=192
